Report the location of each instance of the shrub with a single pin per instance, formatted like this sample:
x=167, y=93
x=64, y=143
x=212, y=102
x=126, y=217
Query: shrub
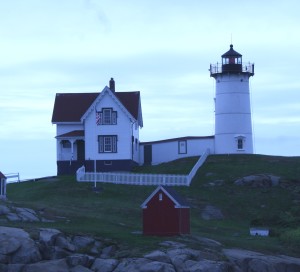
x=291, y=238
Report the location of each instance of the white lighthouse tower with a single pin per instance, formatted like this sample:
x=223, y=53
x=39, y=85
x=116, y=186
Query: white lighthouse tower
x=233, y=126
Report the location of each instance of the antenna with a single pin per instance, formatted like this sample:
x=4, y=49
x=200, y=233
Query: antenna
x=231, y=38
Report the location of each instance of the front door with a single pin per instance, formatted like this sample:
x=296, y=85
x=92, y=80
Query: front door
x=80, y=150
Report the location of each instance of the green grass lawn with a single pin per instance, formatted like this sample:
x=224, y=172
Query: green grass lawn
x=114, y=211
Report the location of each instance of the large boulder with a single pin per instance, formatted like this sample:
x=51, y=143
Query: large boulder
x=47, y=266
x=27, y=253
x=17, y=247
x=104, y=265
x=253, y=261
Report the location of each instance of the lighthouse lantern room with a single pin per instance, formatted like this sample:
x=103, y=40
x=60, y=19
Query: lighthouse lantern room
x=233, y=125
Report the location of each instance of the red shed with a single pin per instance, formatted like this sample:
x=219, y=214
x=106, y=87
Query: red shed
x=165, y=213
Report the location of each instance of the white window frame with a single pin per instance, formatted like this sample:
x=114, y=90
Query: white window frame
x=107, y=116
x=107, y=143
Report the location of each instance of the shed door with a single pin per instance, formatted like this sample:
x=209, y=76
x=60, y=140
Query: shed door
x=148, y=154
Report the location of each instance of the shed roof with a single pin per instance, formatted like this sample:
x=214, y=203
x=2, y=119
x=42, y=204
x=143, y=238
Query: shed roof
x=178, y=200
x=70, y=107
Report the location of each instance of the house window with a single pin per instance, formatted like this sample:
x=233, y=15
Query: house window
x=182, y=147
x=107, y=144
x=106, y=117
x=66, y=144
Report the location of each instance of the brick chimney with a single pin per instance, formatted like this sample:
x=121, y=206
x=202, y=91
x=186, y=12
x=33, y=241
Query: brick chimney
x=112, y=85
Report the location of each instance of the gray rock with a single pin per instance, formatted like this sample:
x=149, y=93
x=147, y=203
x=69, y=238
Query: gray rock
x=14, y=267
x=79, y=259
x=131, y=264
x=4, y=210
x=48, y=266
x=159, y=256
x=259, y=180
x=48, y=236
x=157, y=266
x=104, y=265
x=180, y=255
x=172, y=244
x=209, y=242
x=96, y=248
x=27, y=253
x=82, y=242
x=206, y=266
x=80, y=268
x=13, y=217
x=211, y=213
x=254, y=261
x=8, y=245
x=108, y=252
x=62, y=242
x=27, y=214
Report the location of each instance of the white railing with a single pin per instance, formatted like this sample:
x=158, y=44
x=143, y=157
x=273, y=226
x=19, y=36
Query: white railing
x=14, y=176
x=198, y=164
x=141, y=179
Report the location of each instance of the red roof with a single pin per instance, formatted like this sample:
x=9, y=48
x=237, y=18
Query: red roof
x=70, y=107
x=74, y=133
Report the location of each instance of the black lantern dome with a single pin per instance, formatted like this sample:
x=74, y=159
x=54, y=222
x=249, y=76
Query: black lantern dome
x=232, y=61
x=231, y=64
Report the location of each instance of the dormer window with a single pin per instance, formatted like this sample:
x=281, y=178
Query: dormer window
x=106, y=117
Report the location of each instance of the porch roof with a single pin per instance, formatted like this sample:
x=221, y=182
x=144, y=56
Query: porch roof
x=72, y=134
x=2, y=175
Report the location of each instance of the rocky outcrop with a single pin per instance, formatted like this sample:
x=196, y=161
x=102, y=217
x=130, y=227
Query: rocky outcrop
x=52, y=250
x=259, y=180
x=253, y=261
x=17, y=214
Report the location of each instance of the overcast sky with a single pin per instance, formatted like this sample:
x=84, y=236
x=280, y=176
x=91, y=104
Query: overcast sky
x=161, y=48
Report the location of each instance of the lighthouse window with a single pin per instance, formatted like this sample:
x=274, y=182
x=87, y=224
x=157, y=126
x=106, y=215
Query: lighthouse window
x=240, y=144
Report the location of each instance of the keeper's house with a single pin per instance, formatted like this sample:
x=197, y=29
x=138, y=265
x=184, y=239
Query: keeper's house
x=97, y=130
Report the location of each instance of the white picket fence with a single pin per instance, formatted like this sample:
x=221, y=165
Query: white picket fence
x=141, y=179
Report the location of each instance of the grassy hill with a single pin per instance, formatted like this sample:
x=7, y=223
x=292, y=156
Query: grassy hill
x=114, y=210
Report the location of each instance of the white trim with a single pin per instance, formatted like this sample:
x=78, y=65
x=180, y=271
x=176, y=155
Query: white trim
x=177, y=205
x=92, y=107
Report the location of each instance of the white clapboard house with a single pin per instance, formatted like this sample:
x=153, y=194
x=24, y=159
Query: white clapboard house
x=101, y=130
x=98, y=130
